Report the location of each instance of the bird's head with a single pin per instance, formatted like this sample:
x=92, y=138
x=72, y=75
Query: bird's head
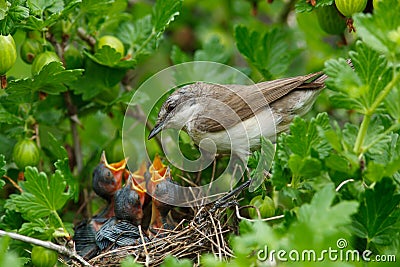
x=129, y=202
x=107, y=178
x=177, y=110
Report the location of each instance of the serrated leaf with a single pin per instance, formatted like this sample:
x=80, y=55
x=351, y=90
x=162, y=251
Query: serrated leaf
x=62, y=165
x=265, y=158
x=13, y=15
x=108, y=56
x=281, y=174
x=96, y=79
x=375, y=129
x=392, y=103
x=305, y=136
x=56, y=148
x=321, y=216
x=178, y=56
x=51, y=79
x=37, y=7
x=4, y=6
x=54, y=10
x=41, y=196
x=269, y=51
x=164, y=12
x=358, y=89
x=135, y=33
x=305, y=5
x=379, y=32
x=171, y=261
x=7, y=117
x=377, y=220
x=214, y=51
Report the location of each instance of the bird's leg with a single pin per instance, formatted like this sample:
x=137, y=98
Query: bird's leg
x=222, y=201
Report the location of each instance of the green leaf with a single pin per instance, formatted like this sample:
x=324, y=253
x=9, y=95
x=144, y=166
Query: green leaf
x=130, y=262
x=178, y=56
x=7, y=256
x=135, y=34
x=269, y=51
x=37, y=7
x=338, y=163
x=281, y=174
x=132, y=98
x=7, y=117
x=4, y=6
x=54, y=10
x=38, y=229
x=12, y=15
x=379, y=32
x=358, y=89
x=304, y=167
x=2, y=170
x=376, y=141
x=41, y=196
x=108, y=56
x=377, y=219
x=51, y=79
x=214, y=51
x=392, y=103
x=321, y=216
x=305, y=5
x=56, y=148
x=305, y=136
x=164, y=12
x=171, y=261
x=96, y=79
x=265, y=158
x=62, y=165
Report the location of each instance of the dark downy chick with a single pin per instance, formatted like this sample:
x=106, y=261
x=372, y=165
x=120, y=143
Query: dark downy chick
x=107, y=179
x=122, y=229
x=163, y=191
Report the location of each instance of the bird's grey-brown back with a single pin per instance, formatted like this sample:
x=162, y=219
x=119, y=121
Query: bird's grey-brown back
x=204, y=107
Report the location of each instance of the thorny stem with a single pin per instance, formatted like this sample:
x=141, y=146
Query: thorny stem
x=90, y=40
x=46, y=244
x=74, y=130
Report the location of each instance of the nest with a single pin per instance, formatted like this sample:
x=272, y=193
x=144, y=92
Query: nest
x=206, y=232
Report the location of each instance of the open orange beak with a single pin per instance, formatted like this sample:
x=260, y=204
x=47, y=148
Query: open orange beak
x=138, y=176
x=117, y=168
x=158, y=166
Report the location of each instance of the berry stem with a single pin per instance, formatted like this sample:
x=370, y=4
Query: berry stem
x=3, y=80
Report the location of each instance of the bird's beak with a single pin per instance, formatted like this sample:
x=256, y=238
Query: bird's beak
x=156, y=130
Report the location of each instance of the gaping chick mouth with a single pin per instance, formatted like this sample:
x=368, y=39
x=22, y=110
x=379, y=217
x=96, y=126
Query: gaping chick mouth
x=117, y=166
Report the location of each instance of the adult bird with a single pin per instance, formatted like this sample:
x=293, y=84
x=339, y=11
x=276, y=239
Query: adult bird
x=234, y=117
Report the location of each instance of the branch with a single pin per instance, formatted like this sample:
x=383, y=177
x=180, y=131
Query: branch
x=72, y=113
x=46, y=244
x=90, y=40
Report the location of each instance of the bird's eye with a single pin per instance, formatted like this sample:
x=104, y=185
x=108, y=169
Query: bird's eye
x=170, y=107
x=109, y=174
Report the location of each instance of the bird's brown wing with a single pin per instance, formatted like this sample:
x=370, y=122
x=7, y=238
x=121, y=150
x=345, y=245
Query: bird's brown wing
x=246, y=100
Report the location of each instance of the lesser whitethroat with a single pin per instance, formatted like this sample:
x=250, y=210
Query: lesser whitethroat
x=234, y=116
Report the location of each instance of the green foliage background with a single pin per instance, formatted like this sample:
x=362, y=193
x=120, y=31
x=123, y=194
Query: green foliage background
x=351, y=135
